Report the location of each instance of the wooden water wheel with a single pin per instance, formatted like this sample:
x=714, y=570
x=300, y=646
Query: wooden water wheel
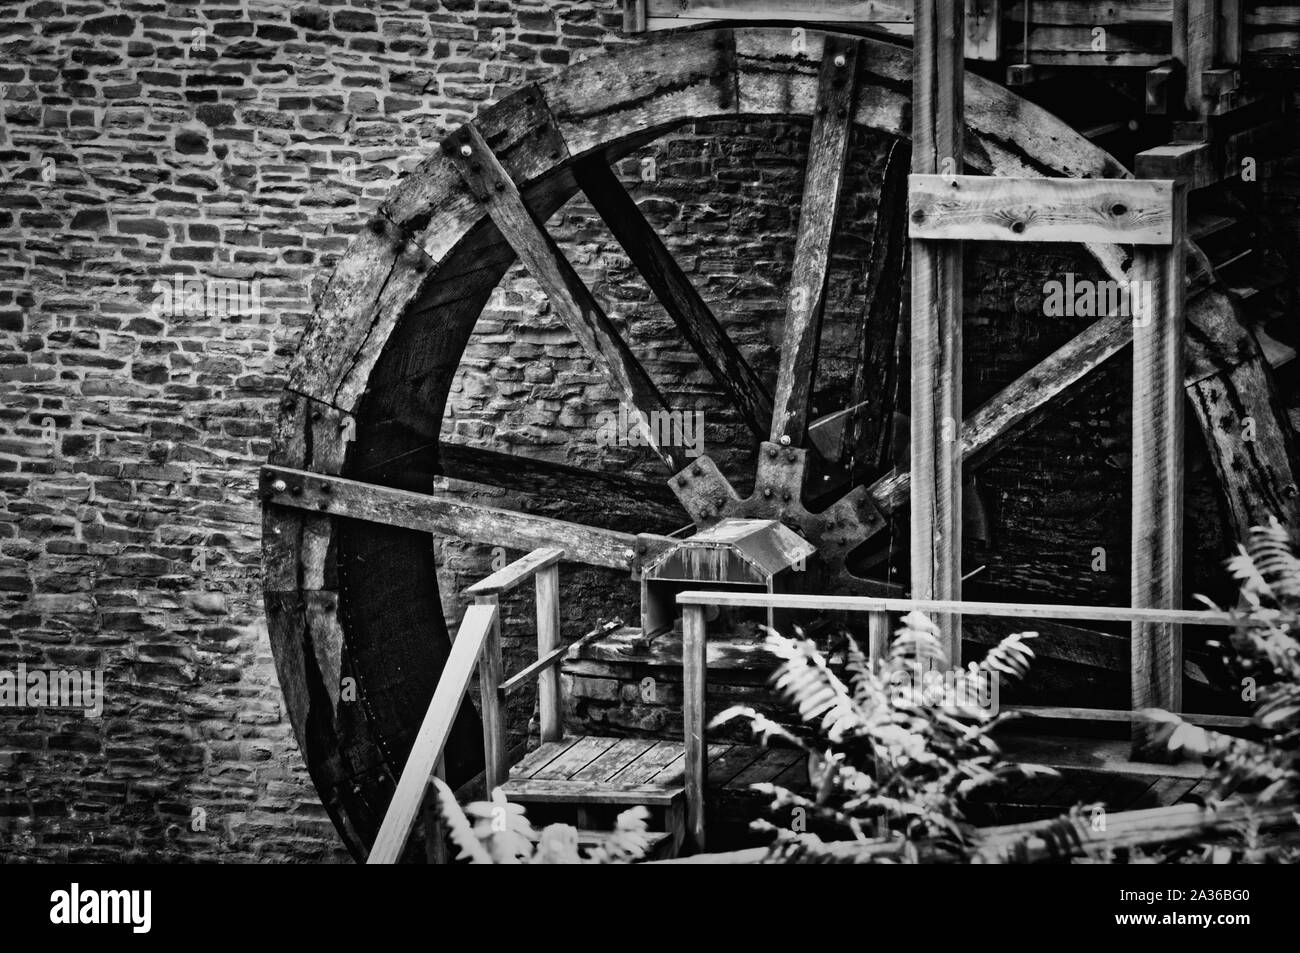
x=351, y=587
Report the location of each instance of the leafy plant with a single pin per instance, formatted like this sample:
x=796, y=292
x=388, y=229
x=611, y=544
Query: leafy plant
x=894, y=753
x=499, y=832
x=1264, y=658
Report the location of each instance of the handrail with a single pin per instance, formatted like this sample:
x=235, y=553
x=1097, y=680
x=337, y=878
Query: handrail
x=506, y=579
x=543, y=565
x=432, y=737
x=1010, y=610
x=695, y=669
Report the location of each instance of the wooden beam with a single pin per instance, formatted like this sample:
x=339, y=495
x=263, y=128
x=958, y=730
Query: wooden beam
x=828, y=148
x=872, y=395
x=496, y=767
x=1202, y=23
x=1189, y=163
x=1042, y=841
x=1001, y=610
x=570, y=298
x=432, y=736
x=675, y=292
x=938, y=84
x=634, y=16
x=1157, y=530
x=989, y=208
x=1230, y=32
x=694, y=684
x=548, y=640
x=1113, y=715
x=611, y=499
x=1001, y=416
x=336, y=496
x=506, y=578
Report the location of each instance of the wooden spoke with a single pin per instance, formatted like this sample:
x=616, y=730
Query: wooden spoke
x=827, y=151
x=335, y=496
x=572, y=300
x=675, y=292
x=866, y=434
x=610, y=499
x=997, y=420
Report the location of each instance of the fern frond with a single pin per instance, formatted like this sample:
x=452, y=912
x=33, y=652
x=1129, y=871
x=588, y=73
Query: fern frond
x=458, y=826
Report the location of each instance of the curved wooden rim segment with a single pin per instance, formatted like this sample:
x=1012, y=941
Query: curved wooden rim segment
x=370, y=381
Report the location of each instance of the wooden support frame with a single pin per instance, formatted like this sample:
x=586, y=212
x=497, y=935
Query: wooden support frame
x=982, y=30
x=1151, y=215
x=1157, y=527
x=935, y=518
x=542, y=565
x=694, y=675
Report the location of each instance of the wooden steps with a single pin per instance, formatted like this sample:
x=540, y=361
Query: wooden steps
x=597, y=775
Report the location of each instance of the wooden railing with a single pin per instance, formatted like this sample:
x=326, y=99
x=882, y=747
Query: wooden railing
x=478, y=642
x=694, y=657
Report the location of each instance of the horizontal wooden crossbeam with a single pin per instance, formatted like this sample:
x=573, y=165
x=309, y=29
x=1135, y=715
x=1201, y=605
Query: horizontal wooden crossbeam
x=993, y=208
x=336, y=496
x=1008, y=610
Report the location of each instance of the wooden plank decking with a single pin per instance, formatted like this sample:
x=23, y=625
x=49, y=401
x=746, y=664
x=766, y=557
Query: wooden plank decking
x=616, y=770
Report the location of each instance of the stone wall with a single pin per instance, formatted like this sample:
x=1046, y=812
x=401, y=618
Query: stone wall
x=143, y=140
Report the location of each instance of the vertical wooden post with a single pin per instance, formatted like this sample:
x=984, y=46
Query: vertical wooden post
x=1230, y=32
x=1157, y=558
x=694, y=675
x=937, y=143
x=548, y=637
x=495, y=766
x=878, y=637
x=1202, y=46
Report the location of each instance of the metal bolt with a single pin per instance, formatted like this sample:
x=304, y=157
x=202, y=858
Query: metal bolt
x=296, y=489
x=786, y=496
x=840, y=60
x=785, y=440
x=466, y=151
x=771, y=452
x=789, y=456
x=767, y=492
x=721, y=502
x=279, y=486
x=681, y=481
x=696, y=469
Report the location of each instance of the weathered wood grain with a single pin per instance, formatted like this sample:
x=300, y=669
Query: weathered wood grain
x=806, y=296
x=695, y=677
x=875, y=375
x=986, y=208
x=1156, y=561
x=511, y=575
x=547, y=588
x=935, y=514
x=433, y=514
